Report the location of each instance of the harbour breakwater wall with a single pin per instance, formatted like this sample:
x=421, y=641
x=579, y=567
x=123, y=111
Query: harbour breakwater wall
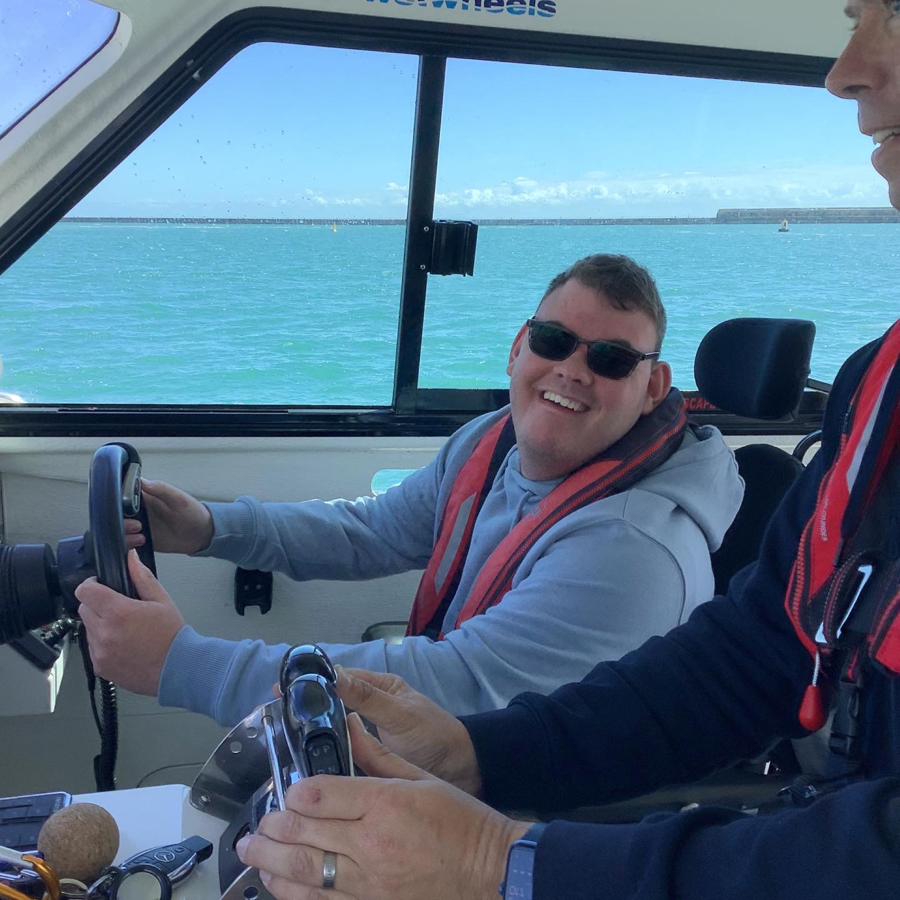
x=809, y=216
x=762, y=216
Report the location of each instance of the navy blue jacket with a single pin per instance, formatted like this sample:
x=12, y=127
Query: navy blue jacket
x=720, y=688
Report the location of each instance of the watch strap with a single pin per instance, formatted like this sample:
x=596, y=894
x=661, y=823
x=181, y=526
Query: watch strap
x=534, y=833
x=527, y=843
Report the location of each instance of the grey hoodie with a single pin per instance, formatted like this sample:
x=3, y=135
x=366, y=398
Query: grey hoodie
x=595, y=586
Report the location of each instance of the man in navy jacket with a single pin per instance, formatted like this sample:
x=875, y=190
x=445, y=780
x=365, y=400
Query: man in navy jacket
x=744, y=671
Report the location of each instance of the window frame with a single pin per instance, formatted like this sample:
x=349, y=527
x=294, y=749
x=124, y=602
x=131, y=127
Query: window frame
x=413, y=410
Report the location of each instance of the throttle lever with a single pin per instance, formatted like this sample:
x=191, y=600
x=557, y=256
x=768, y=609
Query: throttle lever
x=313, y=716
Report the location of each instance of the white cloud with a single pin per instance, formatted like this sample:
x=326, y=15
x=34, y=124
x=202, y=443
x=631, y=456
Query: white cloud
x=597, y=194
x=690, y=194
x=321, y=200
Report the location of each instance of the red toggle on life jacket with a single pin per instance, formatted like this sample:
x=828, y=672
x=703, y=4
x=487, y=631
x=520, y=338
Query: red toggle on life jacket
x=652, y=440
x=843, y=596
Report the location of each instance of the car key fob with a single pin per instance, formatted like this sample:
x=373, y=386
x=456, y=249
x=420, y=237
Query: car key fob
x=176, y=860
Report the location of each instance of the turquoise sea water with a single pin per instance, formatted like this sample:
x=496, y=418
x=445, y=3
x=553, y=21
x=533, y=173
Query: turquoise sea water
x=106, y=313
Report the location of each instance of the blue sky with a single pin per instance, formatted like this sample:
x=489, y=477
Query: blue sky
x=299, y=131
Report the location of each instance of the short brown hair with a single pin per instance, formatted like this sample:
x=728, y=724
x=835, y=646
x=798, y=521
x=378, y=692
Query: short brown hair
x=627, y=285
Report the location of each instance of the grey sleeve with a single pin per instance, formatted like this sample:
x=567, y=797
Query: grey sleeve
x=594, y=595
x=338, y=539
x=345, y=539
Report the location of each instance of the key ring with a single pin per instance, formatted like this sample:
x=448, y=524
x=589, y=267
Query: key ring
x=28, y=864
x=110, y=883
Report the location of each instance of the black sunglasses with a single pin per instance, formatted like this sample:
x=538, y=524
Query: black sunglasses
x=604, y=358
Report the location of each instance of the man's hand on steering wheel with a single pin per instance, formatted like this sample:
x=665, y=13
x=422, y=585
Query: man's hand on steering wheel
x=129, y=639
x=180, y=524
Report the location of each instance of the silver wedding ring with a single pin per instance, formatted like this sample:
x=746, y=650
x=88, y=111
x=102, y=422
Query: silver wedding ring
x=329, y=870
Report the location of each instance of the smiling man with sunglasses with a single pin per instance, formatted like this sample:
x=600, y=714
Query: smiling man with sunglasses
x=573, y=524
x=585, y=368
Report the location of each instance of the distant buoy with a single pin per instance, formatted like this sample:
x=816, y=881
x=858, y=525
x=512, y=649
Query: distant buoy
x=784, y=226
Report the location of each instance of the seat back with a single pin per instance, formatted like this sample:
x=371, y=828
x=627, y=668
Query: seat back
x=768, y=472
x=756, y=368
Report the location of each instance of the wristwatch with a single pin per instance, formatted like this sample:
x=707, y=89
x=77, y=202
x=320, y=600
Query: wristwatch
x=517, y=885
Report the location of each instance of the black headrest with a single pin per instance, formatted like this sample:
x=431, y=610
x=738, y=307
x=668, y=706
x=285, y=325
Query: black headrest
x=755, y=367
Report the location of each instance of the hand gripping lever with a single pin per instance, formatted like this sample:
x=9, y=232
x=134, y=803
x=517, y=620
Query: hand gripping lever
x=301, y=734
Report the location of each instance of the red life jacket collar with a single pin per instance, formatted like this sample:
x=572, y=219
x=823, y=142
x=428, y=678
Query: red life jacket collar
x=652, y=440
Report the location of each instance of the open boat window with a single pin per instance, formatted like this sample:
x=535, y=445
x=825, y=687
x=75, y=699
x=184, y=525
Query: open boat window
x=562, y=150
x=43, y=42
x=265, y=251
x=219, y=263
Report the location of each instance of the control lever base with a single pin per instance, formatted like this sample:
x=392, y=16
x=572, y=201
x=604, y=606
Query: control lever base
x=240, y=764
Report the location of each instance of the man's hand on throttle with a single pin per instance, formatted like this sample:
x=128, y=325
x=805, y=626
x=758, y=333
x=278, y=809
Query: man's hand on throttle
x=129, y=639
x=412, y=726
x=401, y=835
x=180, y=524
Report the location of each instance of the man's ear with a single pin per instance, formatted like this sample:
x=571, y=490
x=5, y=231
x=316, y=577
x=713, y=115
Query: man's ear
x=516, y=348
x=658, y=387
